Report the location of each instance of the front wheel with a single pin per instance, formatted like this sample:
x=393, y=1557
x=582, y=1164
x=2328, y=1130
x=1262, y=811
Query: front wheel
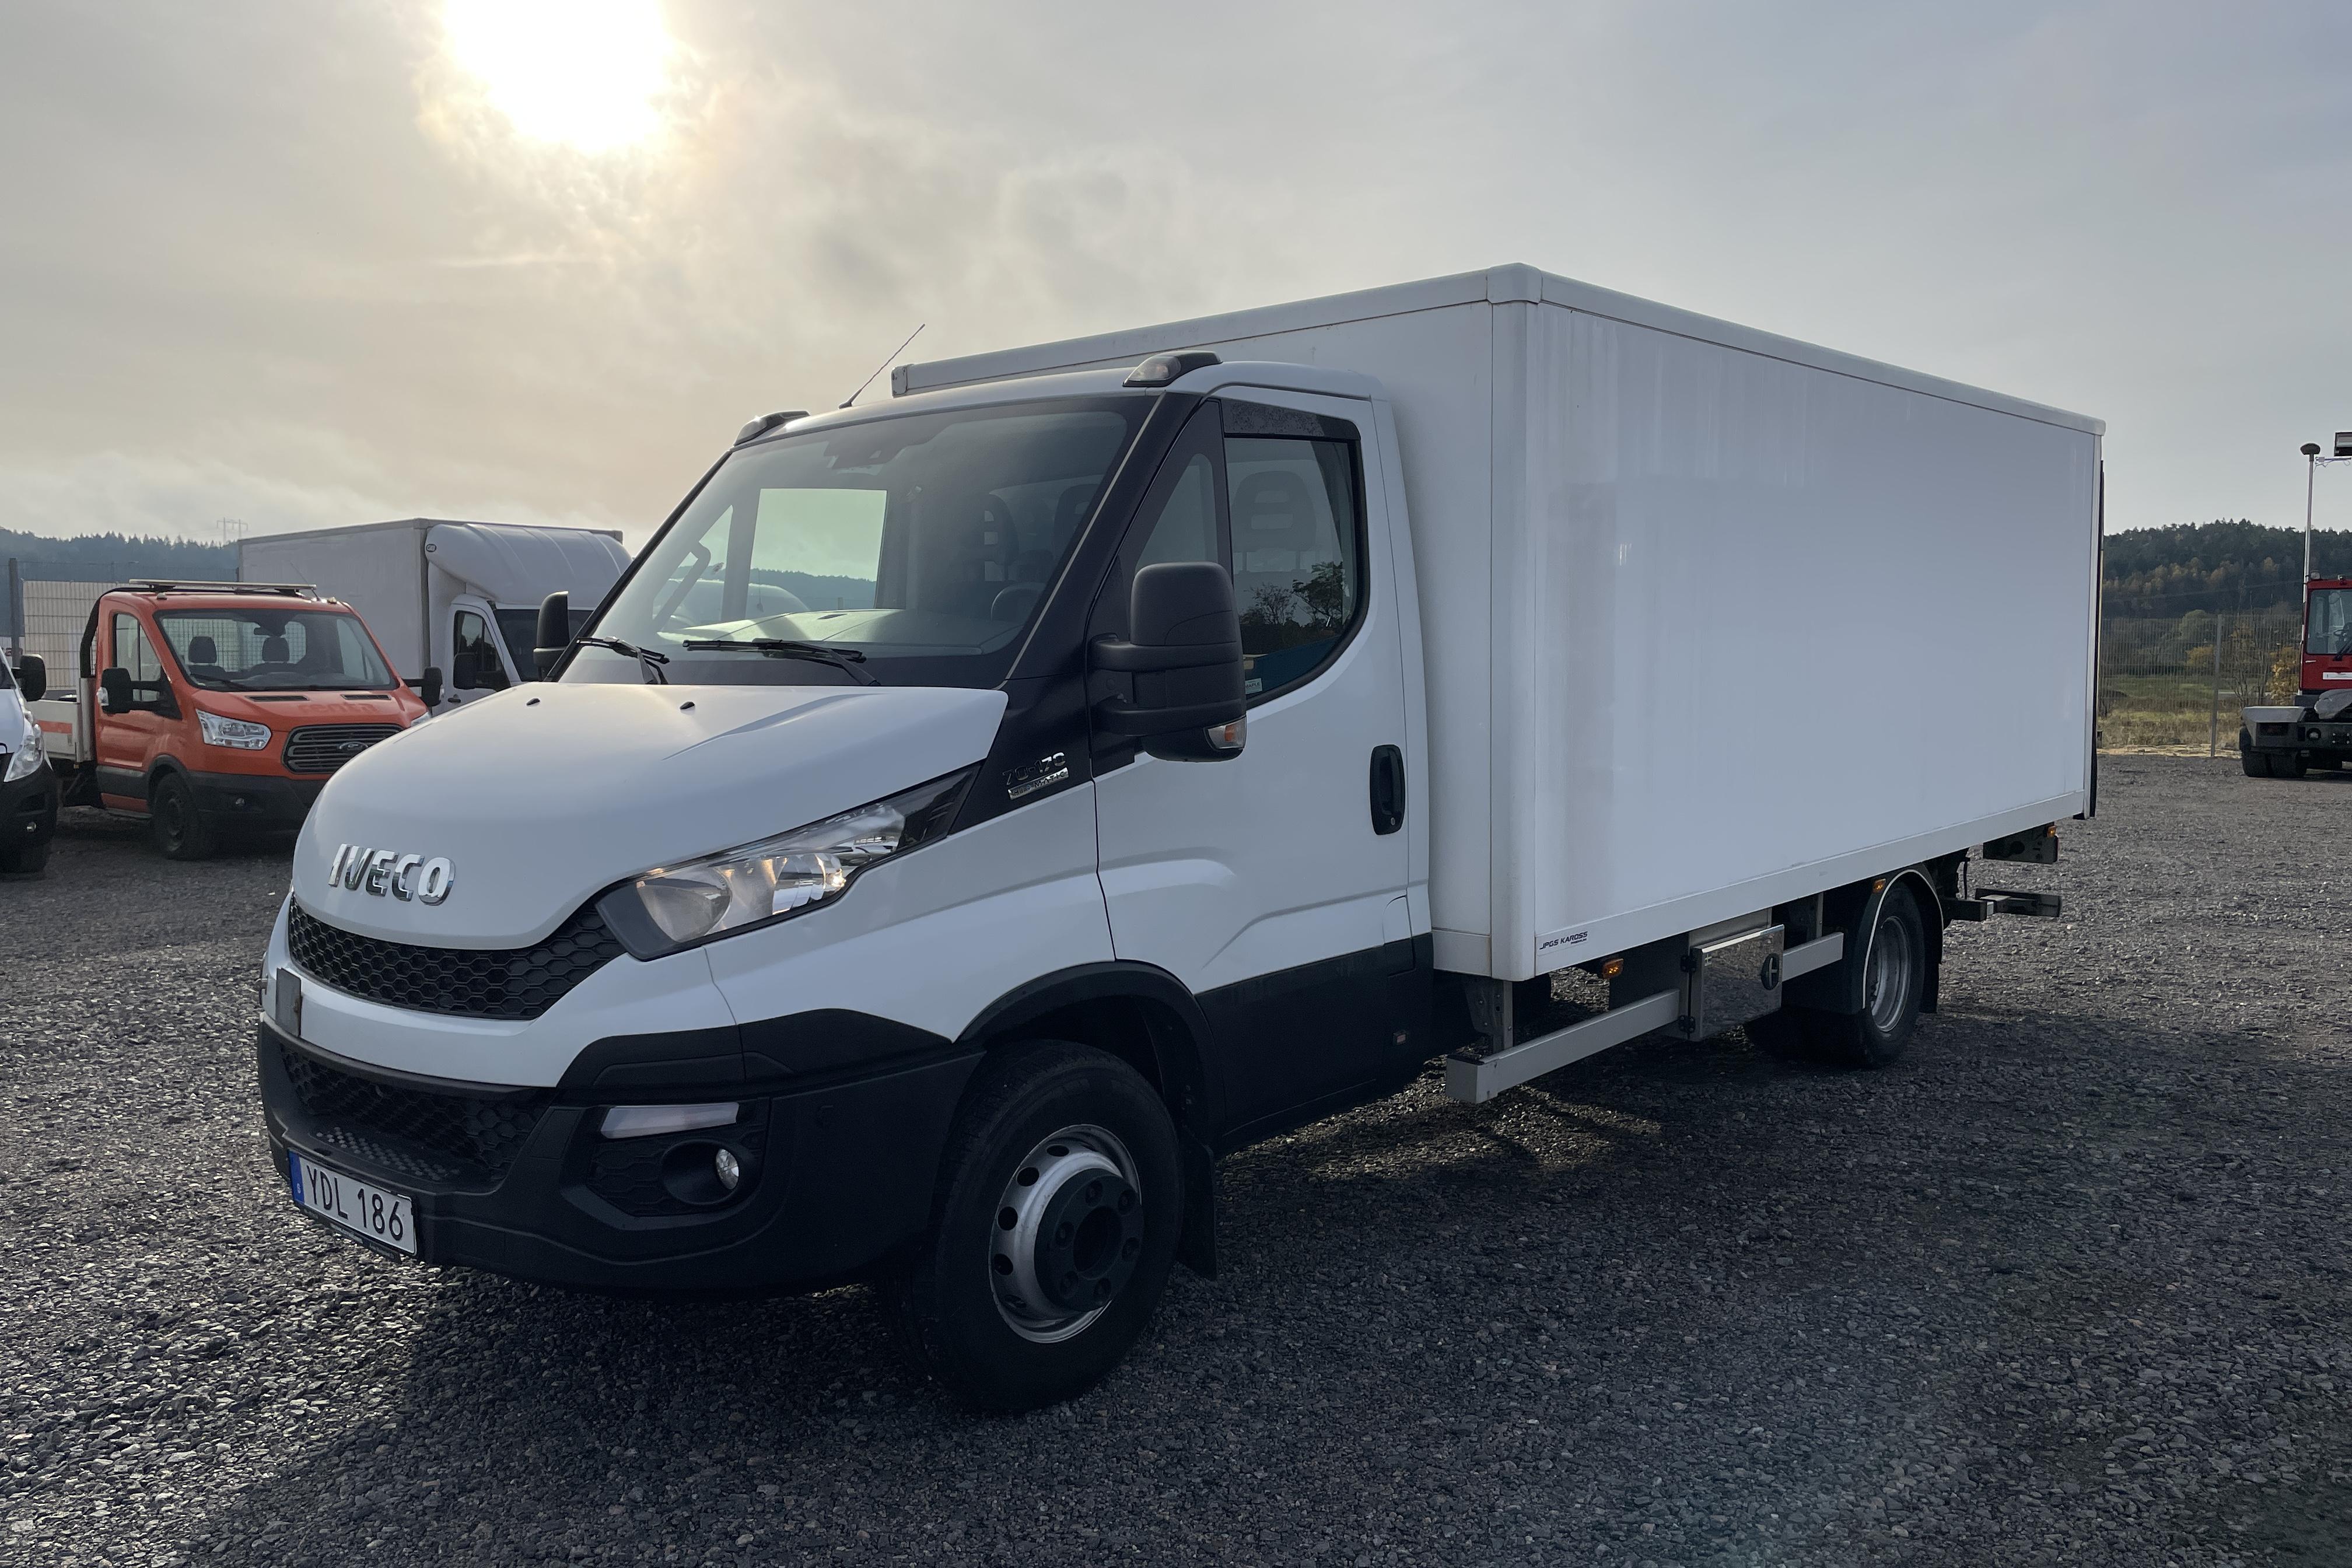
x=2255, y=763
x=22, y=859
x=180, y=828
x=1054, y=1228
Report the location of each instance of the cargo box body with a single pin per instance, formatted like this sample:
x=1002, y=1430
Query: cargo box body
x=1711, y=619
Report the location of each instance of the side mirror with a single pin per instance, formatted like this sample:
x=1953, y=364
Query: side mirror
x=33, y=677
x=115, y=686
x=554, y=634
x=1185, y=653
x=428, y=686
x=465, y=672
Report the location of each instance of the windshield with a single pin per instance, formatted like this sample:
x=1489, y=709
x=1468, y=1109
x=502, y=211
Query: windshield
x=274, y=650
x=2330, y=635
x=926, y=536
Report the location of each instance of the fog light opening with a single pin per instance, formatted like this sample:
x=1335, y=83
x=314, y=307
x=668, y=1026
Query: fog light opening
x=727, y=1168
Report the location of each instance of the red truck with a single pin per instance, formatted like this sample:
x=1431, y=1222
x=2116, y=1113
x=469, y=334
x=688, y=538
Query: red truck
x=216, y=707
x=2315, y=730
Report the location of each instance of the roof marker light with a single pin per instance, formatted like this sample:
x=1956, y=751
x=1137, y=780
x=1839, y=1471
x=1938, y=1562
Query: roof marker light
x=1161, y=369
x=767, y=422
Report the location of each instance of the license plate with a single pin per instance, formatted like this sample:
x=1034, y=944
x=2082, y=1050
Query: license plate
x=351, y=1204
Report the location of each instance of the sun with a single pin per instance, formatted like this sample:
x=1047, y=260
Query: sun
x=582, y=72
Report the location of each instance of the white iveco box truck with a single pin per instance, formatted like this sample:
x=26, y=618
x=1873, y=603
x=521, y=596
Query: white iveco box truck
x=462, y=598
x=974, y=816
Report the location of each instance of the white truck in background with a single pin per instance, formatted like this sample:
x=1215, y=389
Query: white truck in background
x=1171, y=738
x=461, y=598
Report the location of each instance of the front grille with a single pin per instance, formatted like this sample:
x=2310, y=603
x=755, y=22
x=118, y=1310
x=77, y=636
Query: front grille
x=323, y=748
x=470, y=981
x=412, y=1132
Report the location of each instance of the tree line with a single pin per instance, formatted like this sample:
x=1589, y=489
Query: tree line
x=2223, y=565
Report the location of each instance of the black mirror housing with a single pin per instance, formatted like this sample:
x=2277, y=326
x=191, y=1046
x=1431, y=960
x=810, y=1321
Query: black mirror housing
x=1184, y=651
x=33, y=677
x=114, y=688
x=554, y=634
x=428, y=686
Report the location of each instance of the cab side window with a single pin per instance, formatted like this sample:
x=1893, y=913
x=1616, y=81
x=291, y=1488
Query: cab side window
x=1298, y=546
x=136, y=655
x=474, y=662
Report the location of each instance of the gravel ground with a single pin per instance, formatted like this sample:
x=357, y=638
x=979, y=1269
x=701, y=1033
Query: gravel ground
x=2068, y=1286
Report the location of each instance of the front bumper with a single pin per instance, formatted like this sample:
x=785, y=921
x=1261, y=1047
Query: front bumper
x=837, y=1174
x=267, y=801
x=29, y=809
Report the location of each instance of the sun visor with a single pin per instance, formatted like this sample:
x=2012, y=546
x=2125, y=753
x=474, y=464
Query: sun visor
x=516, y=566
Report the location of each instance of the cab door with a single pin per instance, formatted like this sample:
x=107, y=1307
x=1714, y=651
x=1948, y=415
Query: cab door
x=1272, y=884
x=476, y=665
x=126, y=743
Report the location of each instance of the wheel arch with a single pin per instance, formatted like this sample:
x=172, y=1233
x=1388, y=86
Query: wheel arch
x=1140, y=1013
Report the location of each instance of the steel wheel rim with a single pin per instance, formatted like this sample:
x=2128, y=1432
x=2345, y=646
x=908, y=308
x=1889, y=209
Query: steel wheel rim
x=169, y=814
x=1890, y=975
x=1058, y=1165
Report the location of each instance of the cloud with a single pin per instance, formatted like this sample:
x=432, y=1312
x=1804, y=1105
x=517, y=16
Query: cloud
x=146, y=493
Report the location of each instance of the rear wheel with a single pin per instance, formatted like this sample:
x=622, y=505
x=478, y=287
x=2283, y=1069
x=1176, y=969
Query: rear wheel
x=2255, y=763
x=180, y=829
x=1894, y=983
x=1053, y=1228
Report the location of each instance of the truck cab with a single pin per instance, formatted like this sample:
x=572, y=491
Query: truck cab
x=212, y=708
x=2284, y=739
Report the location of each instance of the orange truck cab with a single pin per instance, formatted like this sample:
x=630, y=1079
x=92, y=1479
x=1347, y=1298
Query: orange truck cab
x=216, y=707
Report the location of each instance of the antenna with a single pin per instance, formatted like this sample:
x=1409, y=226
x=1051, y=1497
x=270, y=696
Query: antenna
x=878, y=369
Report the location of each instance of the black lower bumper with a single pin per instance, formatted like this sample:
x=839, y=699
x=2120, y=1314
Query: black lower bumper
x=835, y=1178
x=28, y=810
x=254, y=800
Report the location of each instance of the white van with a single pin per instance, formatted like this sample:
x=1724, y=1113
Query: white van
x=1172, y=738
x=28, y=783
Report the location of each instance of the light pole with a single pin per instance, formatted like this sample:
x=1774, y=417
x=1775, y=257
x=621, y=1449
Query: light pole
x=2310, y=473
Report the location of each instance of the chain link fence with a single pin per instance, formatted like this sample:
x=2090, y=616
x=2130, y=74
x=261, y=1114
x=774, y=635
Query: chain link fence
x=2176, y=682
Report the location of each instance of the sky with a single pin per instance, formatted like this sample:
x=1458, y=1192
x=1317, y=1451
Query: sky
x=312, y=262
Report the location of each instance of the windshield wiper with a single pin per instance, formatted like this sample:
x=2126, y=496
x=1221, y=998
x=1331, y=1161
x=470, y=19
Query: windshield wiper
x=648, y=660
x=846, y=659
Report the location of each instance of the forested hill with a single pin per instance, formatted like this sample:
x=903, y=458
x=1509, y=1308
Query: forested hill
x=116, y=555
x=2215, y=566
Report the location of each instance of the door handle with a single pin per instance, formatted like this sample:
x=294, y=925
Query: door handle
x=1388, y=789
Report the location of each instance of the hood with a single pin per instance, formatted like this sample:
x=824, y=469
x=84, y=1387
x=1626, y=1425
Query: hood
x=546, y=794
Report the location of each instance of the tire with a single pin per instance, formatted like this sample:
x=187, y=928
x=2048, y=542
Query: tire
x=1074, y=1149
x=2256, y=764
x=180, y=829
x=1894, y=983
x=2286, y=765
x=25, y=859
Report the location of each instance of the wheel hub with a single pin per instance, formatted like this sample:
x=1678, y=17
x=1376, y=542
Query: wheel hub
x=1069, y=1232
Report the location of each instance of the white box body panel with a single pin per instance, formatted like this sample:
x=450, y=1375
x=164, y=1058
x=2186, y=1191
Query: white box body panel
x=1711, y=619
x=377, y=570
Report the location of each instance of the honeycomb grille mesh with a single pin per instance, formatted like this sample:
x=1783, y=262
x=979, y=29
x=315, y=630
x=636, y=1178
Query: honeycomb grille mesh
x=432, y=1137
x=469, y=981
x=323, y=748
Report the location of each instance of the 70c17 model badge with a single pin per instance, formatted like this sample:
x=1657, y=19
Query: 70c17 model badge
x=382, y=871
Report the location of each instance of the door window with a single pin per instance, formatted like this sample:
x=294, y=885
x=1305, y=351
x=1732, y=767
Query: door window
x=1297, y=552
x=1186, y=529
x=134, y=653
x=473, y=637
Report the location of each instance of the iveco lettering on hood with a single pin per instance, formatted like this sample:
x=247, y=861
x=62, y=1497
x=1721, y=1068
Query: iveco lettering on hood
x=973, y=817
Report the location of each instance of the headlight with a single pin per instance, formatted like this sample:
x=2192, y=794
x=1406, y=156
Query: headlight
x=671, y=907
x=221, y=731
x=26, y=758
